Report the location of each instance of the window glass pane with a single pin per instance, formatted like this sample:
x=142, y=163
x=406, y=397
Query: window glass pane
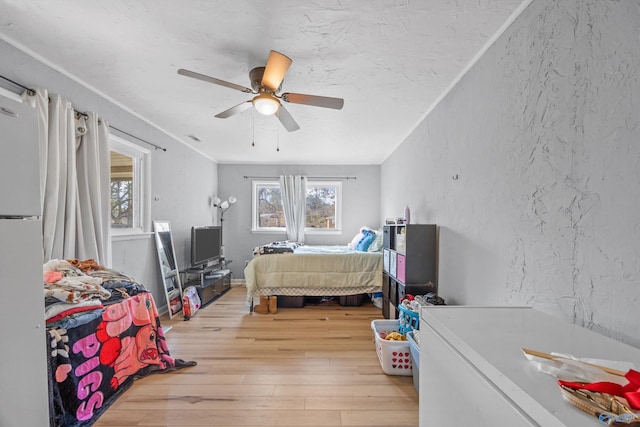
x=321, y=206
x=323, y=202
x=122, y=191
x=270, y=208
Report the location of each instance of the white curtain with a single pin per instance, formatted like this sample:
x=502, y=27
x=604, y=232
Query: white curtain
x=74, y=164
x=294, y=196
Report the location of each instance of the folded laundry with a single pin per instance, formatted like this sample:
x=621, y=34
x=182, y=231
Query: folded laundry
x=276, y=248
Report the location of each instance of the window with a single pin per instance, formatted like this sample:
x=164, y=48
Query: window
x=268, y=210
x=129, y=185
x=323, y=200
x=323, y=207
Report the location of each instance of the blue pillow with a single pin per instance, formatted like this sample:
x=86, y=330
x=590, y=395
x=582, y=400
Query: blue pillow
x=364, y=243
x=360, y=240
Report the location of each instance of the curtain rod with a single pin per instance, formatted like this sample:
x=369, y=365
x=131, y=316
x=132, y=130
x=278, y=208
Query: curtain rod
x=309, y=177
x=33, y=92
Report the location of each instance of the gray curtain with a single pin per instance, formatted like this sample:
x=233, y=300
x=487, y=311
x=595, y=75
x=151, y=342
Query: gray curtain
x=294, y=196
x=74, y=162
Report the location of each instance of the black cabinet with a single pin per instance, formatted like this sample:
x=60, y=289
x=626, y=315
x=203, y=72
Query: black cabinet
x=410, y=257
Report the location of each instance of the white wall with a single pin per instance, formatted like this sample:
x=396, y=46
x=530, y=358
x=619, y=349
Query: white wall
x=542, y=134
x=360, y=198
x=182, y=179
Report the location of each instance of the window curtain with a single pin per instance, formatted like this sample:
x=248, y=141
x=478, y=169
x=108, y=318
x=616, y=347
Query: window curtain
x=294, y=199
x=74, y=180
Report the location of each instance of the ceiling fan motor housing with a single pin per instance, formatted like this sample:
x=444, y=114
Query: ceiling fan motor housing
x=255, y=76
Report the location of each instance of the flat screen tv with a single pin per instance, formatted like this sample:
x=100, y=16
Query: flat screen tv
x=206, y=242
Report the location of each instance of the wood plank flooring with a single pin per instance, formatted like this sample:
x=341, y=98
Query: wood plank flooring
x=311, y=366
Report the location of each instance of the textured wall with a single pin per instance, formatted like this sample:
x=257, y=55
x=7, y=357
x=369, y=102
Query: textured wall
x=531, y=166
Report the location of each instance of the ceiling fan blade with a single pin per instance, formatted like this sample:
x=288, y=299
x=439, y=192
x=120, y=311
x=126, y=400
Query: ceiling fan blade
x=234, y=110
x=286, y=119
x=213, y=80
x=277, y=66
x=316, y=101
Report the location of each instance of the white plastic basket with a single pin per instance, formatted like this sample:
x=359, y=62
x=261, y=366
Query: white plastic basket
x=394, y=356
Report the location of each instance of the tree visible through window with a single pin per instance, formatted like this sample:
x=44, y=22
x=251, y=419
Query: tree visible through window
x=122, y=191
x=130, y=187
x=321, y=206
x=270, y=207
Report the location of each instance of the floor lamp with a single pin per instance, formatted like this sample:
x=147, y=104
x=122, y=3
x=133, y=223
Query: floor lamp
x=222, y=208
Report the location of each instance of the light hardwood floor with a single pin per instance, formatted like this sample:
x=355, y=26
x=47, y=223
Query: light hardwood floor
x=311, y=366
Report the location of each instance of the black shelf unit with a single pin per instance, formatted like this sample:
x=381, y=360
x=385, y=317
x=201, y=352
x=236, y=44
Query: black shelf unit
x=210, y=282
x=410, y=256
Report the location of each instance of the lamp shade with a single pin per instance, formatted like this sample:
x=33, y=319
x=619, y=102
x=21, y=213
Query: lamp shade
x=266, y=104
x=216, y=201
x=224, y=205
x=232, y=200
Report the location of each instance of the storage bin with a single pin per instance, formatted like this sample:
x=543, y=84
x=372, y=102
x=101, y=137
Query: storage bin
x=394, y=356
x=414, y=349
x=290, y=302
x=352, y=300
x=409, y=319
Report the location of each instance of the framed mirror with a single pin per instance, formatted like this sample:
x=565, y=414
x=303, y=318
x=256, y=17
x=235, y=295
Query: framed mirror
x=168, y=267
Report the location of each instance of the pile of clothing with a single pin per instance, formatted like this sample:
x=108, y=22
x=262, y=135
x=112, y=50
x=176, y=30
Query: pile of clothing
x=283, y=247
x=73, y=287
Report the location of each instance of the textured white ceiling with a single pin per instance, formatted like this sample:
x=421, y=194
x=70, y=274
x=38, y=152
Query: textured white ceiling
x=389, y=59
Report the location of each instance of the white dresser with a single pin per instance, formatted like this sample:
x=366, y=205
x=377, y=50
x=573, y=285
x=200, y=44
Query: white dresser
x=473, y=372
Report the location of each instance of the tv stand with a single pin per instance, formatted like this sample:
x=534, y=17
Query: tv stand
x=211, y=282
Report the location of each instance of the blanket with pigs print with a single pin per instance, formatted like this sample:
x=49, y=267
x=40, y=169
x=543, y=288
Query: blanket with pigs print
x=93, y=362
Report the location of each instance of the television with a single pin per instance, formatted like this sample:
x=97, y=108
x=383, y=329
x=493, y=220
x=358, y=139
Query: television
x=206, y=243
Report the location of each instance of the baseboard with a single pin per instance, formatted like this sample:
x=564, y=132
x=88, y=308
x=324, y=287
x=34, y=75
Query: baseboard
x=238, y=282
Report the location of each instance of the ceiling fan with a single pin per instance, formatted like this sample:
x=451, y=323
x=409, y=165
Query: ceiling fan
x=265, y=84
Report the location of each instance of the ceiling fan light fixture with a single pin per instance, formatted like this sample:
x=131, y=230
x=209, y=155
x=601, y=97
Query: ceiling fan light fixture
x=266, y=104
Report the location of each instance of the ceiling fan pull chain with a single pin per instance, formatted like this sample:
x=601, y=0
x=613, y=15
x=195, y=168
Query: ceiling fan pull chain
x=253, y=136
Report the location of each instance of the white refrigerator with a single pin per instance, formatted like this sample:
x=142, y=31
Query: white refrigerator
x=23, y=369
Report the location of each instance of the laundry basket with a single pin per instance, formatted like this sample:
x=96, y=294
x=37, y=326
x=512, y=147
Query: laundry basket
x=409, y=319
x=394, y=356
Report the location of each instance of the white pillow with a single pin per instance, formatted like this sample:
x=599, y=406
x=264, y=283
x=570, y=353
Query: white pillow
x=376, y=245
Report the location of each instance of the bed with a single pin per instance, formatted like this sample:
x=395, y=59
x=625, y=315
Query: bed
x=313, y=271
x=103, y=331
